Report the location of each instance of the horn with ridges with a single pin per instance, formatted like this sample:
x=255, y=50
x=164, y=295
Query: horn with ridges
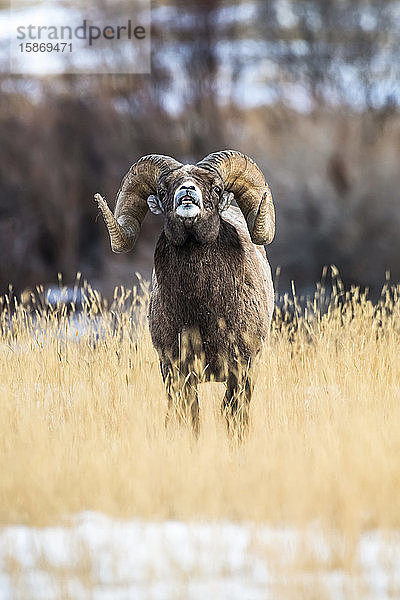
x=244, y=179
x=131, y=207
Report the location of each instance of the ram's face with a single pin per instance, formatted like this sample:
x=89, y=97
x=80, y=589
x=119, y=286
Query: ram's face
x=190, y=198
x=190, y=191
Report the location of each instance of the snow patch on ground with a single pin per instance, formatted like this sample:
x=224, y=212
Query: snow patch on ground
x=100, y=558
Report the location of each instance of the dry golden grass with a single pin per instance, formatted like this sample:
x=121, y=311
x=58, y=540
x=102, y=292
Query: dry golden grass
x=82, y=420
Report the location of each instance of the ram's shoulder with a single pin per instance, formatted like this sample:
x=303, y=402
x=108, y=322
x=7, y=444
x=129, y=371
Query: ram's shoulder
x=234, y=216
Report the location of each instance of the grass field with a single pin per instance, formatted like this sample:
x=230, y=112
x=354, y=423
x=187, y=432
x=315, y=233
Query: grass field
x=82, y=419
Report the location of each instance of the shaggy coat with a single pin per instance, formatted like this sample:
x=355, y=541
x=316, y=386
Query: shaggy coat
x=207, y=301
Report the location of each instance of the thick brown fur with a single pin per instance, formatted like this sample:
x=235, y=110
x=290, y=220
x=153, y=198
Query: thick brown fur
x=212, y=301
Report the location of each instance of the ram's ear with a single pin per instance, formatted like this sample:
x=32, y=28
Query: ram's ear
x=154, y=204
x=225, y=202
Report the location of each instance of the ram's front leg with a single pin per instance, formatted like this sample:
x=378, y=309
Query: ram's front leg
x=182, y=394
x=236, y=402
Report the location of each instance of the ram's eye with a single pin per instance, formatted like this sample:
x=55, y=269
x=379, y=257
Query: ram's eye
x=217, y=190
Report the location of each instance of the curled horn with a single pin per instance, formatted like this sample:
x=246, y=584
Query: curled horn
x=243, y=178
x=131, y=207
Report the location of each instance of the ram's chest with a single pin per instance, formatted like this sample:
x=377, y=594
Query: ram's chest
x=199, y=286
x=202, y=287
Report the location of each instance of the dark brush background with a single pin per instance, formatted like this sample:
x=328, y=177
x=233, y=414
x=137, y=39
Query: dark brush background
x=308, y=88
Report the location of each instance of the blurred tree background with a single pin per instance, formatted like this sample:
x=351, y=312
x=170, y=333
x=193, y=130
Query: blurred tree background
x=308, y=88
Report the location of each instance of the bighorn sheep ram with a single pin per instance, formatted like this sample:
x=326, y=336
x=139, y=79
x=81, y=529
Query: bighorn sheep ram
x=212, y=298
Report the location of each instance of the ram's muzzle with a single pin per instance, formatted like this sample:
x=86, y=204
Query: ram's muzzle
x=188, y=200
